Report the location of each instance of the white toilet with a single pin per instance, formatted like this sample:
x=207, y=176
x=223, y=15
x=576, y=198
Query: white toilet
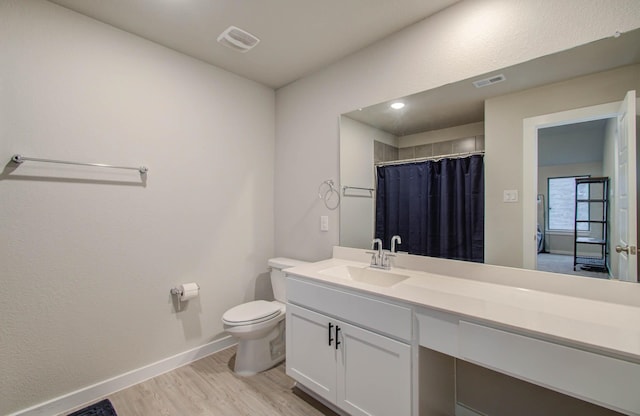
x=259, y=325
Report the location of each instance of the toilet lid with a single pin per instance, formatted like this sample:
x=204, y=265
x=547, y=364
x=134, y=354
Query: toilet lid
x=252, y=311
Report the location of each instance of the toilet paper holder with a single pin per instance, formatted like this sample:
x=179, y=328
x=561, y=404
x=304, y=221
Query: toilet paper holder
x=185, y=292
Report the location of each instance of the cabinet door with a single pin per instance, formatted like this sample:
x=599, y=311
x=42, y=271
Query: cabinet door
x=374, y=374
x=310, y=359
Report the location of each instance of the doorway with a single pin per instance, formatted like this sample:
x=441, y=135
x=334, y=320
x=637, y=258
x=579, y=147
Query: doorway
x=572, y=221
x=531, y=187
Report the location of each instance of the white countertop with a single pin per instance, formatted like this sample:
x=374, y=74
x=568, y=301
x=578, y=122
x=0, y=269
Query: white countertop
x=599, y=326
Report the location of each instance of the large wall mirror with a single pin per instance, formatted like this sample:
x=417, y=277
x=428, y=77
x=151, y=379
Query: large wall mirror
x=570, y=102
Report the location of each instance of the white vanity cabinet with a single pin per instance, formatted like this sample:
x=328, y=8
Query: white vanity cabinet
x=396, y=341
x=311, y=354
x=596, y=378
x=359, y=370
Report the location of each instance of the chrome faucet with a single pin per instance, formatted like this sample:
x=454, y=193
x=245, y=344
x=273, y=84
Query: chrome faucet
x=379, y=243
x=394, y=239
x=379, y=258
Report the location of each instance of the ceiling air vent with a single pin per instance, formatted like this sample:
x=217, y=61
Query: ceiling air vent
x=238, y=39
x=489, y=81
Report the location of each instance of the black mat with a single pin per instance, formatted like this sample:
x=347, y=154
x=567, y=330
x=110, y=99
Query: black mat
x=102, y=408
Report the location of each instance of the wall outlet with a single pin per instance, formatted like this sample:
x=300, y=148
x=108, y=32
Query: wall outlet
x=510, y=195
x=324, y=223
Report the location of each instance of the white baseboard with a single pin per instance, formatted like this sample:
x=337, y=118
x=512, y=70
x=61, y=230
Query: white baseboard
x=462, y=410
x=104, y=388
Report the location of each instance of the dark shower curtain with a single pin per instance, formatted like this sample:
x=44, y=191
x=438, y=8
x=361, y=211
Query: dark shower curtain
x=436, y=207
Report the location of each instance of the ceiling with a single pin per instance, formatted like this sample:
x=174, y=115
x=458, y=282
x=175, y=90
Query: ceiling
x=297, y=37
x=461, y=103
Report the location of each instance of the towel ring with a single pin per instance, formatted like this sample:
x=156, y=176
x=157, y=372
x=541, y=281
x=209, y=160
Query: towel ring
x=328, y=192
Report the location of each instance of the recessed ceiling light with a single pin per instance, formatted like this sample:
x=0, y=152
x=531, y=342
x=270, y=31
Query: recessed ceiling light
x=397, y=106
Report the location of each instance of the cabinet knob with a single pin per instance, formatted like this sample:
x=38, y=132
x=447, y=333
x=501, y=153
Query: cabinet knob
x=330, y=339
x=337, y=341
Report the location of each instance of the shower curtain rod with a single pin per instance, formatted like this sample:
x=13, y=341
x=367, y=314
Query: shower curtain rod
x=424, y=159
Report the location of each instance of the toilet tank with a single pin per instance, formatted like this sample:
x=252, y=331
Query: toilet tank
x=277, y=276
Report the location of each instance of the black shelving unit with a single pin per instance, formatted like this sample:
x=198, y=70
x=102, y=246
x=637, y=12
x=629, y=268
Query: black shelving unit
x=598, y=226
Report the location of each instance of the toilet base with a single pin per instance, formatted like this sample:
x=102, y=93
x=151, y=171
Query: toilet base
x=256, y=355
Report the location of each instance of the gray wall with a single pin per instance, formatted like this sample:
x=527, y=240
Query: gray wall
x=87, y=259
x=504, y=138
x=357, y=157
x=469, y=38
x=466, y=39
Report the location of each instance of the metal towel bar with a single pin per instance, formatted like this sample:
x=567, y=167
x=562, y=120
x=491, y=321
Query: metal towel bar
x=19, y=159
x=345, y=188
x=357, y=187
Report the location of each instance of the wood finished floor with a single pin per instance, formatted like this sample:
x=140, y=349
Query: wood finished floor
x=209, y=387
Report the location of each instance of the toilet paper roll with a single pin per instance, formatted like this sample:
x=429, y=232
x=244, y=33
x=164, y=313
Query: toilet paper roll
x=189, y=291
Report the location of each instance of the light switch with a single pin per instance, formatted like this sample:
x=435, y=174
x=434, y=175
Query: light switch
x=324, y=223
x=510, y=195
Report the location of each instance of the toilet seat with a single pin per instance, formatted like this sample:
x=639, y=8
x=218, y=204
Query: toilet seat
x=252, y=313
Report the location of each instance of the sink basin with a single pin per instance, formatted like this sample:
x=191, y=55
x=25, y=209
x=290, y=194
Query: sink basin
x=367, y=275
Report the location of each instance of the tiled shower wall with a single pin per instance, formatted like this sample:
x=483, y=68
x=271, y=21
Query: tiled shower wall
x=383, y=152
x=387, y=153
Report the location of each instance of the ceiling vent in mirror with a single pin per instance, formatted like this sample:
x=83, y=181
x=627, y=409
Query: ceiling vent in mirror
x=489, y=81
x=238, y=39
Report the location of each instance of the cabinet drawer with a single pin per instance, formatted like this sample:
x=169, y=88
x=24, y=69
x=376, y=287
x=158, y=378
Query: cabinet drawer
x=438, y=331
x=379, y=316
x=596, y=378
